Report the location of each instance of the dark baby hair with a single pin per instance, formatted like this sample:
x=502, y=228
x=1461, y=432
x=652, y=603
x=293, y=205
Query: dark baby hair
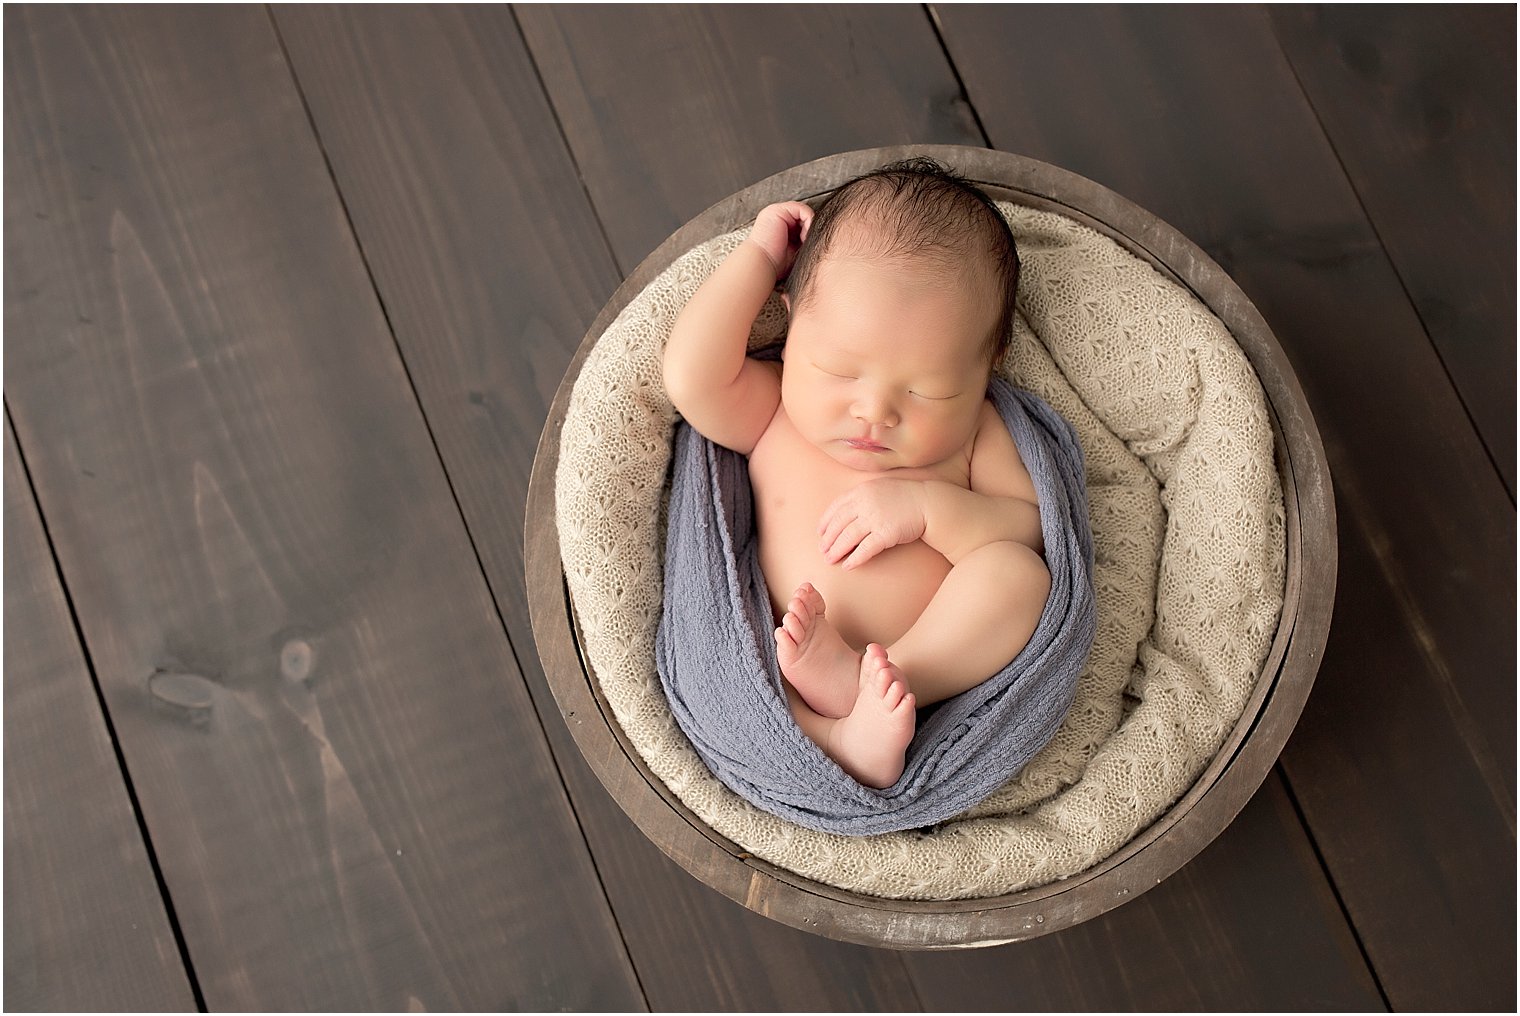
x=920, y=209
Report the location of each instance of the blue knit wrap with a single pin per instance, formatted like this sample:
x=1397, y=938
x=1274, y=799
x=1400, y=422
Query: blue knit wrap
x=716, y=652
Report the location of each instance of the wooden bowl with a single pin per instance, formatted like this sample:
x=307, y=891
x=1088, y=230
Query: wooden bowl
x=1190, y=824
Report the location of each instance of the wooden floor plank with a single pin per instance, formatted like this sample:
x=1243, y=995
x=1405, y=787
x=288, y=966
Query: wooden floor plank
x=1400, y=810
x=342, y=775
x=1434, y=164
x=601, y=97
x=85, y=925
x=1196, y=115
x=741, y=92
x=492, y=265
x=354, y=780
x=1168, y=950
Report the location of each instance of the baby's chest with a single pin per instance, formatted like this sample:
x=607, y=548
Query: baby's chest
x=793, y=483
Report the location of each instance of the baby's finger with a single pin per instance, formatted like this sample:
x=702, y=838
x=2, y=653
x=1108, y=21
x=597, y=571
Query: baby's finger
x=873, y=544
x=832, y=512
x=835, y=519
x=846, y=541
x=801, y=211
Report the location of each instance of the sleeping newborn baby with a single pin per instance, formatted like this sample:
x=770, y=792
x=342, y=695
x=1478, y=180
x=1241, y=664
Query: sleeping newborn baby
x=893, y=511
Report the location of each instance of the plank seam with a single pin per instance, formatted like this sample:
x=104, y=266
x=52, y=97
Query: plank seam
x=1393, y=263
x=448, y=479
x=565, y=141
x=939, y=36
x=1335, y=891
x=105, y=715
x=601, y=228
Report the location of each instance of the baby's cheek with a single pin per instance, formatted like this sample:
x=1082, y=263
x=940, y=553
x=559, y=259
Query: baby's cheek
x=954, y=427
x=956, y=434
x=809, y=416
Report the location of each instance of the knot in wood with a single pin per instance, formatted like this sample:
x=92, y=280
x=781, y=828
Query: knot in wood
x=295, y=660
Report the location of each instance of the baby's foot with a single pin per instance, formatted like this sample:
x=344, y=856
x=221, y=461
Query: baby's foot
x=814, y=658
x=870, y=742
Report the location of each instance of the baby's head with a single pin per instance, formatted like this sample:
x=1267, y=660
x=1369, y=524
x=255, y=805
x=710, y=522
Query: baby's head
x=918, y=215
x=901, y=302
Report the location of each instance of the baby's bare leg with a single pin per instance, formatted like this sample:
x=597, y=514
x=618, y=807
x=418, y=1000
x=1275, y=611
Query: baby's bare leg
x=870, y=742
x=981, y=617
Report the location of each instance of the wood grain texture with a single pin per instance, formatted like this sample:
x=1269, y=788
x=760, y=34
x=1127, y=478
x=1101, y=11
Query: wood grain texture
x=1170, y=950
x=737, y=960
x=491, y=264
x=194, y=356
x=484, y=250
x=1197, y=115
x=350, y=796
x=85, y=925
x=1399, y=810
x=1419, y=105
x=668, y=109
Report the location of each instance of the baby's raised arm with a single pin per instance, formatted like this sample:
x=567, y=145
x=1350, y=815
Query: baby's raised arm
x=728, y=397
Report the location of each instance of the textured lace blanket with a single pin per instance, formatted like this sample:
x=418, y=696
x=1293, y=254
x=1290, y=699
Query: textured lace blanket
x=1188, y=565
x=716, y=655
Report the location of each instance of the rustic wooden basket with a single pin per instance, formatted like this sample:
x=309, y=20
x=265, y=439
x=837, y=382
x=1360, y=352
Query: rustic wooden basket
x=1156, y=852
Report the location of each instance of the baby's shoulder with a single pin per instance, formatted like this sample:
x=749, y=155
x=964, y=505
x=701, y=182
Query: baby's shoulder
x=997, y=468
x=780, y=437
x=990, y=428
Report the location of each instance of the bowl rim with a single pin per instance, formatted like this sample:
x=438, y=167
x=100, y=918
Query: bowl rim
x=1191, y=822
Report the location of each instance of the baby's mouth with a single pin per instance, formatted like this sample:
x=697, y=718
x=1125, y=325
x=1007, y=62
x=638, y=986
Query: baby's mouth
x=861, y=444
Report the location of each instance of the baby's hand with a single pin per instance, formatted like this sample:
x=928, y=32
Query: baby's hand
x=867, y=519
x=779, y=230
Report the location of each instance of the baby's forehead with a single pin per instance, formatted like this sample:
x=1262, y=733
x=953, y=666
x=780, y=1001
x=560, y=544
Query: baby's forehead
x=858, y=311
x=972, y=278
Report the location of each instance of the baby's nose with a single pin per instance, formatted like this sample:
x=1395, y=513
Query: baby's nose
x=876, y=410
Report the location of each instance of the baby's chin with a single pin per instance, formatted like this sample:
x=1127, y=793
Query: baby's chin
x=864, y=461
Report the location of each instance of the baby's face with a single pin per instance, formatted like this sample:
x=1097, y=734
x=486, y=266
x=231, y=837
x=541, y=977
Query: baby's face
x=886, y=365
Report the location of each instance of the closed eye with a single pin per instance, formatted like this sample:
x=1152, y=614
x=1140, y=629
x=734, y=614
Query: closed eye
x=936, y=398
x=842, y=377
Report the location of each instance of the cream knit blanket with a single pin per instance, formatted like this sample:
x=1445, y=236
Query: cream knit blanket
x=1188, y=535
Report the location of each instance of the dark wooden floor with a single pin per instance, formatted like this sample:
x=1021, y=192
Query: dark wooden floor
x=287, y=293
